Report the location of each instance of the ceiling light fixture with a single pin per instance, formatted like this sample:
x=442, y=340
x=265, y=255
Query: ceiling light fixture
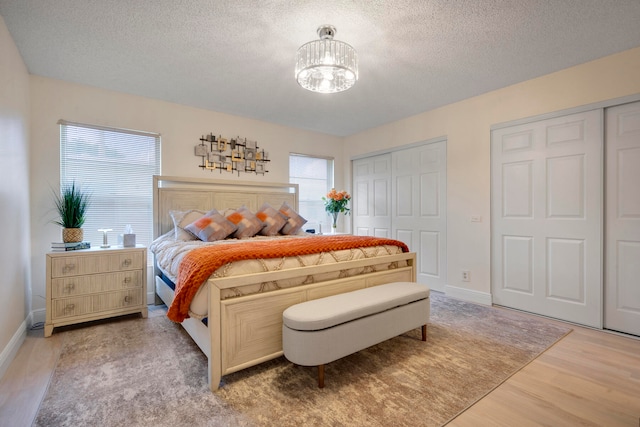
x=326, y=65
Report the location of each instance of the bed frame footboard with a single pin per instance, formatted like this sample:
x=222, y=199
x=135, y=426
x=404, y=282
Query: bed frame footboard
x=247, y=330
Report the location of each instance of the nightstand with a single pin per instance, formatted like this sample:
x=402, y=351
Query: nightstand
x=95, y=284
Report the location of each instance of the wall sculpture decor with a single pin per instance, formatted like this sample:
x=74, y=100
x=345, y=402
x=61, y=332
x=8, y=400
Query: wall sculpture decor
x=231, y=155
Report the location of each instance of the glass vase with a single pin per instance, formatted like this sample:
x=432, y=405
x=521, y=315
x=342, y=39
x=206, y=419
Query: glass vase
x=334, y=224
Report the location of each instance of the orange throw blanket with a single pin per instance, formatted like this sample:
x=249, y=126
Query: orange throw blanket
x=198, y=264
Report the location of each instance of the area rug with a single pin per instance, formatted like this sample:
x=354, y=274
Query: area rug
x=148, y=372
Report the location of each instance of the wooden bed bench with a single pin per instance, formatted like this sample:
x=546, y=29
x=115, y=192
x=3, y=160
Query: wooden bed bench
x=320, y=331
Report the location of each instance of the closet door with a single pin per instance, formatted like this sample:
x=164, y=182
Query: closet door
x=419, y=219
x=622, y=237
x=371, y=209
x=546, y=217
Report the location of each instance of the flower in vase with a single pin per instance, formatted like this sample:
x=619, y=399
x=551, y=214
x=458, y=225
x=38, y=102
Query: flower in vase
x=335, y=203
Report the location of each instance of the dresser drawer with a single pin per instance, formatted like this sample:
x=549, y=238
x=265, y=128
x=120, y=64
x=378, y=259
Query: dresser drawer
x=74, y=265
x=115, y=300
x=77, y=265
x=126, y=261
x=69, y=307
x=88, y=304
x=80, y=285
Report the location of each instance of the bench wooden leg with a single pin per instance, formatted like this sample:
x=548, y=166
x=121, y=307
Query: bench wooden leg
x=424, y=332
x=321, y=376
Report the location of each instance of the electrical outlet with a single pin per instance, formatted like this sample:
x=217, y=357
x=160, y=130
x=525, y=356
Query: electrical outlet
x=466, y=275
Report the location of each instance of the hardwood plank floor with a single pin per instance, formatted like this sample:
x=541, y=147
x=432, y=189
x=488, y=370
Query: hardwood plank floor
x=23, y=386
x=589, y=378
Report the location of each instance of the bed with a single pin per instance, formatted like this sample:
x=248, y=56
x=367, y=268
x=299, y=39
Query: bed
x=243, y=325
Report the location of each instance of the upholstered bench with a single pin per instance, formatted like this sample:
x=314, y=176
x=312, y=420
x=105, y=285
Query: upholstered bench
x=320, y=331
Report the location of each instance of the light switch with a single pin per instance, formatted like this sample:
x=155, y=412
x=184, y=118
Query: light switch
x=476, y=218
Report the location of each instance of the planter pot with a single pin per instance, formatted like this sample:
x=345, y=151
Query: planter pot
x=72, y=235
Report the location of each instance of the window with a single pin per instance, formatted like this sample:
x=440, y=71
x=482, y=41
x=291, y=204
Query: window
x=314, y=176
x=116, y=166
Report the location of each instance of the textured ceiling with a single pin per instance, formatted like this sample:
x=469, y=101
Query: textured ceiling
x=237, y=56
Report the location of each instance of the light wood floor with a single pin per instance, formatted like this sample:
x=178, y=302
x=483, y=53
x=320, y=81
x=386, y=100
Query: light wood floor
x=589, y=378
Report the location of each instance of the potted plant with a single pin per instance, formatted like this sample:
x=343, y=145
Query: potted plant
x=71, y=204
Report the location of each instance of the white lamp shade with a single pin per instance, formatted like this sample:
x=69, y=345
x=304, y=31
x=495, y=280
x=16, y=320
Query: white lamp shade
x=326, y=65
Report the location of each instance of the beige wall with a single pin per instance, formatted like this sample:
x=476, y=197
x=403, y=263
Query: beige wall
x=14, y=192
x=180, y=128
x=466, y=125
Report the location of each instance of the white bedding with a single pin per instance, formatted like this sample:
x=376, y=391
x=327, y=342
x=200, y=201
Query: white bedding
x=169, y=252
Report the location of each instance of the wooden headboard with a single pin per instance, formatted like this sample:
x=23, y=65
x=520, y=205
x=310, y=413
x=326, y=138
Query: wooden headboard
x=181, y=194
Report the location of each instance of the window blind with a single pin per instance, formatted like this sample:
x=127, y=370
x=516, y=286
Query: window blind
x=116, y=166
x=314, y=176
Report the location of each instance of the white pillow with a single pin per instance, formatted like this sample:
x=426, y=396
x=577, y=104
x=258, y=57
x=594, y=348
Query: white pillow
x=183, y=218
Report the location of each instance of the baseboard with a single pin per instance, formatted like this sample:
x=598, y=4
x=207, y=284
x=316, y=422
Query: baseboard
x=38, y=316
x=468, y=295
x=10, y=351
x=151, y=298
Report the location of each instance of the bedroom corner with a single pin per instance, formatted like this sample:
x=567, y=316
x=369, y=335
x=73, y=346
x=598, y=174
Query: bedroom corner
x=14, y=198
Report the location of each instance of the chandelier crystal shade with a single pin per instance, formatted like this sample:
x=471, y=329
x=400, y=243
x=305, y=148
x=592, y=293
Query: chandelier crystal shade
x=326, y=65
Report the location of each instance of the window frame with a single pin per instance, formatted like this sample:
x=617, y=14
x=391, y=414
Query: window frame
x=111, y=194
x=320, y=217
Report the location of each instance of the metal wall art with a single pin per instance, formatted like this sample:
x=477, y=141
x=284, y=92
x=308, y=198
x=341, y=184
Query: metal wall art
x=231, y=155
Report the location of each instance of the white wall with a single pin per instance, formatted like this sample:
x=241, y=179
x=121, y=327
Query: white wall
x=466, y=125
x=14, y=197
x=180, y=127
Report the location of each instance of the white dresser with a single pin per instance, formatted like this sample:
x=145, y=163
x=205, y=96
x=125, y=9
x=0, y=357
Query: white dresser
x=95, y=284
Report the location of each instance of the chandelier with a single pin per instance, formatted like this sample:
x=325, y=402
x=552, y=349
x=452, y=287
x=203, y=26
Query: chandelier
x=326, y=65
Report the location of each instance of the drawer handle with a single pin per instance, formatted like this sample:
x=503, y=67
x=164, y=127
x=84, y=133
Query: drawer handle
x=127, y=299
x=127, y=280
x=69, y=307
x=68, y=268
x=126, y=262
x=70, y=287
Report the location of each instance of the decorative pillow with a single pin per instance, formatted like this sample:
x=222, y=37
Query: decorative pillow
x=294, y=220
x=248, y=224
x=211, y=227
x=183, y=218
x=227, y=212
x=272, y=219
